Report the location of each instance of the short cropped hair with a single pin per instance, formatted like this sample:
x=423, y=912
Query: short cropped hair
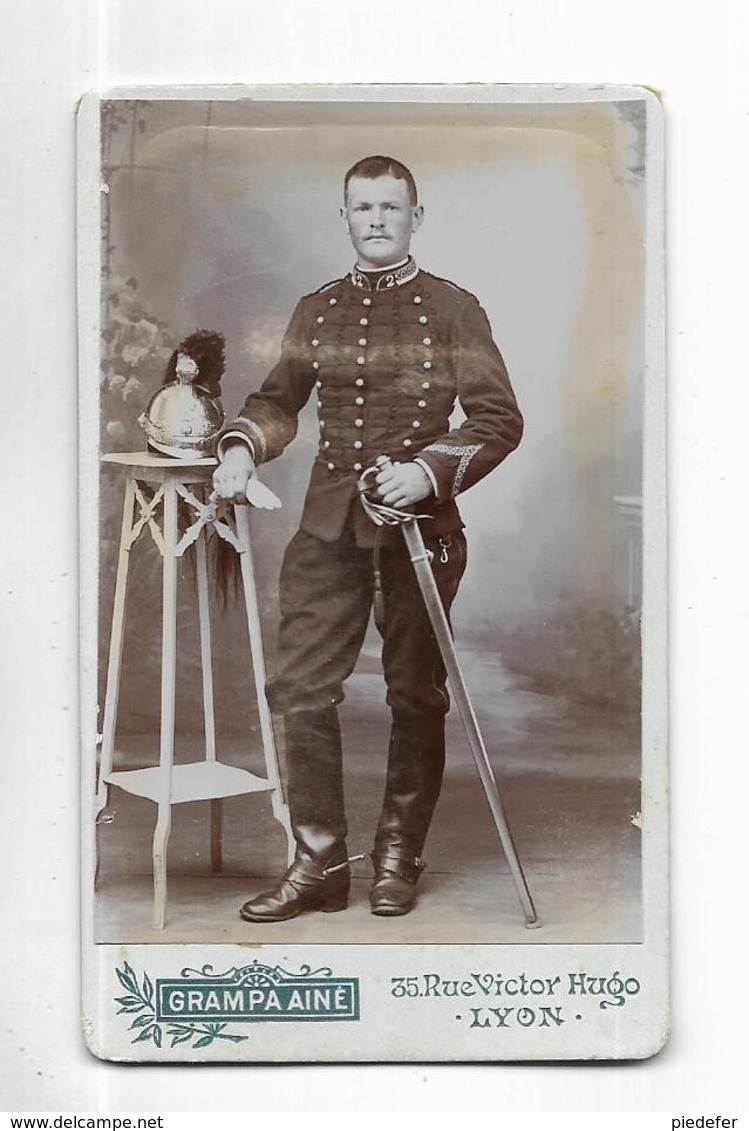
x=379, y=166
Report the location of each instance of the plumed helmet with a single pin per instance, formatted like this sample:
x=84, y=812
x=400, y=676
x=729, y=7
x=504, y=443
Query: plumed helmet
x=185, y=415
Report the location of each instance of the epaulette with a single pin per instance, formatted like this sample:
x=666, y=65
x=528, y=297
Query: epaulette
x=327, y=286
x=455, y=287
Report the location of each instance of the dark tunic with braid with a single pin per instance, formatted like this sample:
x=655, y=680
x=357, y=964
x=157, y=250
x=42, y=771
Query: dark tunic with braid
x=386, y=362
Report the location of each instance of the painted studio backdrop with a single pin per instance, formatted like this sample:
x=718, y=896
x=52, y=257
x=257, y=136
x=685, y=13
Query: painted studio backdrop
x=220, y=215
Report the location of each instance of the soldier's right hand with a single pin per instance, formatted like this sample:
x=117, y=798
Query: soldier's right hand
x=235, y=469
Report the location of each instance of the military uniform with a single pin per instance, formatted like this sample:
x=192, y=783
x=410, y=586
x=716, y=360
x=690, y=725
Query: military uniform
x=386, y=355
x=386, y=361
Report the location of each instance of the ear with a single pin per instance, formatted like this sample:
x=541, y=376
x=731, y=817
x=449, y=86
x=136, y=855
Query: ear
x=344, y=218
x=417, y=215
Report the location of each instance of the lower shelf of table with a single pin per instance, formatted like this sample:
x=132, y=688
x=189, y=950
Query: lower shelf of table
x=191, y=781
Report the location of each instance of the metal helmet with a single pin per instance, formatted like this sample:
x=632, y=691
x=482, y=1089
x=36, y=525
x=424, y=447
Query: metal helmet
x=185, y=415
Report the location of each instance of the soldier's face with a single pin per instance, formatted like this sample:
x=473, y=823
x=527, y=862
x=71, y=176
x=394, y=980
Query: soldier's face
x=380, y=219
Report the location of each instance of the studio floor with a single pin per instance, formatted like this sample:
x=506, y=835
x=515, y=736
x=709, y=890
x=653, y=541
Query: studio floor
x=569, y=780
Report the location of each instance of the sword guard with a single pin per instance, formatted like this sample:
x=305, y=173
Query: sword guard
x=380, y=513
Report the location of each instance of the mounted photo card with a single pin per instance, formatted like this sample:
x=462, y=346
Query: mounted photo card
x=373, y=574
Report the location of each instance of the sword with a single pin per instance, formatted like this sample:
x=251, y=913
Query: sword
x=383, y=515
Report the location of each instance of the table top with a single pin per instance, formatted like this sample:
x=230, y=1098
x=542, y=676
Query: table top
x=150, y=459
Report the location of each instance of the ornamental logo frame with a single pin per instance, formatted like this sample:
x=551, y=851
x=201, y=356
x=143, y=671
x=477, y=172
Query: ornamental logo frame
x=197, y=1006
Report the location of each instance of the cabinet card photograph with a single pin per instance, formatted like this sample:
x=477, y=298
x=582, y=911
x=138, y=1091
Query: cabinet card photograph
x=373, y=573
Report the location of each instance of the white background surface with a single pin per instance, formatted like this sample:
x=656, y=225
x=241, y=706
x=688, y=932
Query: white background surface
x=697, y=57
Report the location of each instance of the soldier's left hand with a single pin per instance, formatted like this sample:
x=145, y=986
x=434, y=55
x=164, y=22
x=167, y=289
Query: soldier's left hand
x=402, y=484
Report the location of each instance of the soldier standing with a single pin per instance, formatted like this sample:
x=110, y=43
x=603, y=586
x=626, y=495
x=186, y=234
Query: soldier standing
x=387, y=350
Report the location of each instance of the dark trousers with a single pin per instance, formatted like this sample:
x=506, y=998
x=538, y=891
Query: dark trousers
x=326, y=591
x=326, y=597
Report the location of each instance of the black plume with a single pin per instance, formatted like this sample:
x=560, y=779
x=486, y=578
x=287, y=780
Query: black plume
x=206, y=348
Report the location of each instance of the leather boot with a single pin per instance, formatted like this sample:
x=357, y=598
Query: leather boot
x=394, y=886
x=319, y=878
x=304, y=886
x=416, y=762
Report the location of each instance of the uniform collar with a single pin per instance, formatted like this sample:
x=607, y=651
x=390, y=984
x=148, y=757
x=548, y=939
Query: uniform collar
x=387, y=279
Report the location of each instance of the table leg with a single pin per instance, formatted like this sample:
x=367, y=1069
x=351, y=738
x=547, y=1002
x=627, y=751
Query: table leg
x=168, y=694
x=114, y=668
x=217, y=824
x=209, y=715
x=204, y=615
x=280, y=808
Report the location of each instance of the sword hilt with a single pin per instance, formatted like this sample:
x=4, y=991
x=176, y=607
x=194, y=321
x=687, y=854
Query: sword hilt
x=369, y=475
x=380, y=513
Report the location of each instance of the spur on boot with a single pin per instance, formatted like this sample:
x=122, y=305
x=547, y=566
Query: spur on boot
x=305, y=886
x=394, y=885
